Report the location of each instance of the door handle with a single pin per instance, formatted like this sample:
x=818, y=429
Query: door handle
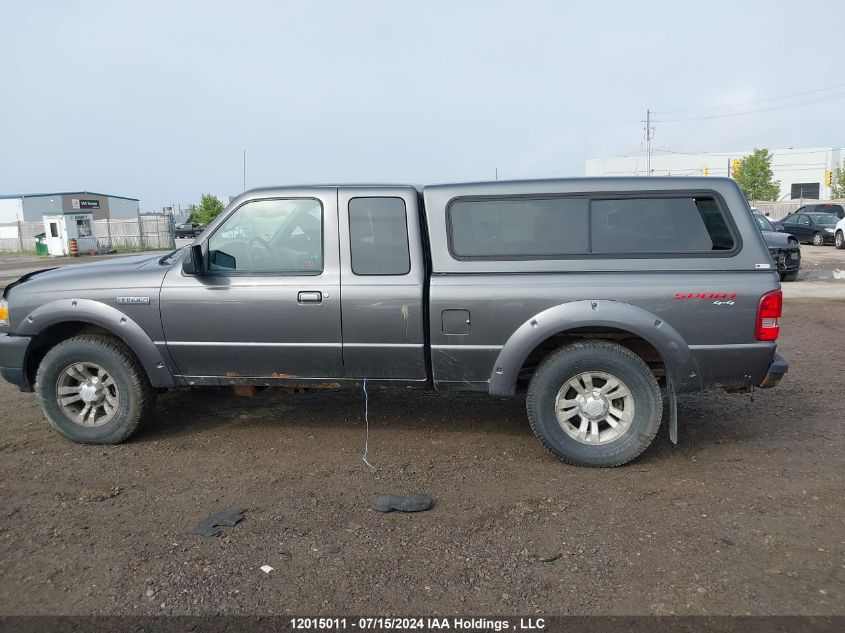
x=310, y=296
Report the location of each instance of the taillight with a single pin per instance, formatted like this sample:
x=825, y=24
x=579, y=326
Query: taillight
x=768, y=316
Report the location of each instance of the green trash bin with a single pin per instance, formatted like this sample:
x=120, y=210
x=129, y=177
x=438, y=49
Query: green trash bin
x=41, y=245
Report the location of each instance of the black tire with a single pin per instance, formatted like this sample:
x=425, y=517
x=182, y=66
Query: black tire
x=840, y=240
x=136, y=395
x=790, y=276
x=594, y=356
x=818, y=239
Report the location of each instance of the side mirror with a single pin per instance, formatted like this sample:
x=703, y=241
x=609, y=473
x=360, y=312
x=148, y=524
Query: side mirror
x=193, y=263
x=222, y=260
x=778, y=227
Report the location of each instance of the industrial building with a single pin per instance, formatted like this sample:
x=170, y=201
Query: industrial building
x=32, y=207
x=802, y=173
x=65, y=217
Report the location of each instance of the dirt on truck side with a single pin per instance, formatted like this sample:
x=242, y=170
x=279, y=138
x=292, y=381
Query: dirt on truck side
x=745, y=515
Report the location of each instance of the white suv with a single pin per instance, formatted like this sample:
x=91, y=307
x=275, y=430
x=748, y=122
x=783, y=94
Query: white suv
x=839, y=234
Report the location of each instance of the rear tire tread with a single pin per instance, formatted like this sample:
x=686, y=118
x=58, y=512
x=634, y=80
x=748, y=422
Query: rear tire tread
x=624, y=354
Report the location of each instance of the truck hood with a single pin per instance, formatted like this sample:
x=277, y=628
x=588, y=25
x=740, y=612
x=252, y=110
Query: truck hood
x=776, y=239
x=141, y=270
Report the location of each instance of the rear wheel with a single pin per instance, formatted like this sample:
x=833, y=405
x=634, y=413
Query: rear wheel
x=840, y=240
x=594, y=403
x=818, y=239
x=93, y=390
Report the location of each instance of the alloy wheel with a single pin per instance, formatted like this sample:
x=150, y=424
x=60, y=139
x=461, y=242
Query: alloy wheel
x=594, y=408
x=87, y=394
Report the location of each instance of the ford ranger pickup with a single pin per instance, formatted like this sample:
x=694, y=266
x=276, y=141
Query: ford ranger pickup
x=598, y=300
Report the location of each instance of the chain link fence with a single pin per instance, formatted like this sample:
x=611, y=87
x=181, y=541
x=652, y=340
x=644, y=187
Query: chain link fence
x=148, y=232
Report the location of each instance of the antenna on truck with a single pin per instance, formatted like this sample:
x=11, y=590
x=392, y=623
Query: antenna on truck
x=364, y=458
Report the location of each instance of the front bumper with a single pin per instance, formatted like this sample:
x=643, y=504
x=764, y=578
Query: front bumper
x=776, y=371
x=12, y=357
x=786, y=259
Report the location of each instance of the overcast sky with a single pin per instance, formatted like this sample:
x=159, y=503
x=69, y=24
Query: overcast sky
x=157, y=100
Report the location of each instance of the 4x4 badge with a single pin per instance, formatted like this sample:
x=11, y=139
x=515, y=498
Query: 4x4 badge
x=718, y=298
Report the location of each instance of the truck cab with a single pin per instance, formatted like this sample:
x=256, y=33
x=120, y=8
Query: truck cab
x=294, y=292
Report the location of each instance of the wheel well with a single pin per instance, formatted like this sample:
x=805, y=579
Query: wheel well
x=633, y=342
x=52, y=336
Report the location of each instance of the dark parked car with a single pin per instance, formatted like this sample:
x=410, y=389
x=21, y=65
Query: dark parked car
x=809, y=228
x=825, y=207
x=783, y=247
x=188, y=229
x=595, y=298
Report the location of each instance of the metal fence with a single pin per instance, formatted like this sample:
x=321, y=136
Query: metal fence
x=778, y=210
x=146, y=232
x=18, y=237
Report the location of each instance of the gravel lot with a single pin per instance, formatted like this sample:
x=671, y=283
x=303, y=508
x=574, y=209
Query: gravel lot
x=744, y=516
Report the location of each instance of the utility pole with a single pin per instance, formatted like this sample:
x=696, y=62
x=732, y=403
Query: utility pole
x=497, y=173
x=649, y=134
x=244, y=170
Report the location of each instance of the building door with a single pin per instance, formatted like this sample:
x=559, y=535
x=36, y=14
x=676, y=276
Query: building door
x=56, y=235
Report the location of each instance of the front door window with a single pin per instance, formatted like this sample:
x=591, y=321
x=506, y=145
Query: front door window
x=270, y=236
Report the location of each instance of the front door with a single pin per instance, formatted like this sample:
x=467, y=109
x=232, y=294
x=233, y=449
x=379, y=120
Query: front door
x=790, y=225
x=55, y=235
x=804, y=228
x=269, y=304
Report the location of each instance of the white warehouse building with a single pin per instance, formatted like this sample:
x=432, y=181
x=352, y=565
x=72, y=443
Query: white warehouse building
x=801, y=172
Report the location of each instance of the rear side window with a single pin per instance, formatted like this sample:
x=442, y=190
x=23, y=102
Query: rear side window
x=518, y=227
x=658, y=225
x=378, y=236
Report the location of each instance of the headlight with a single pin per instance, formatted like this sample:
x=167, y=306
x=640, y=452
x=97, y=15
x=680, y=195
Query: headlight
x=4, y=312
x=829, y=230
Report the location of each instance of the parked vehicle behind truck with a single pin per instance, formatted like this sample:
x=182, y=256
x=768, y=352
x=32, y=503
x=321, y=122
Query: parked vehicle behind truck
x=596, y=298
x=783, y=247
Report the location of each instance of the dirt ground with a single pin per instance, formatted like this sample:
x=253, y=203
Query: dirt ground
x=744, y=516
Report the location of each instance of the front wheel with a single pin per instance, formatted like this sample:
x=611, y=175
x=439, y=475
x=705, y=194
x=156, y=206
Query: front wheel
x=840, y=240
x=595, y=404
x=818, y=239
x=93, y=389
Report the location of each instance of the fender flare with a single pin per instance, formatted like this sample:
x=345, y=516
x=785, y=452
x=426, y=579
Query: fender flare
x=558, y=319
x=108, y=318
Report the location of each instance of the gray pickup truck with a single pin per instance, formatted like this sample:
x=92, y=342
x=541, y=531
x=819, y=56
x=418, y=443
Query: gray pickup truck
x=600, y=299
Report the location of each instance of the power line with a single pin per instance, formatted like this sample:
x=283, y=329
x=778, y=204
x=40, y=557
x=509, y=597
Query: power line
x=754, y=102
x=821, y=99
x=822, y=150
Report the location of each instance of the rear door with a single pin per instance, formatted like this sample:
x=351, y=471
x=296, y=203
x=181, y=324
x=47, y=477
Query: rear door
x=269, y=305
x=383, y=277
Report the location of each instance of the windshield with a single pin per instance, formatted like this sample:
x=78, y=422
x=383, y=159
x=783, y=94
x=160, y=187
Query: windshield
x=824, y=218
x=763, y=222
